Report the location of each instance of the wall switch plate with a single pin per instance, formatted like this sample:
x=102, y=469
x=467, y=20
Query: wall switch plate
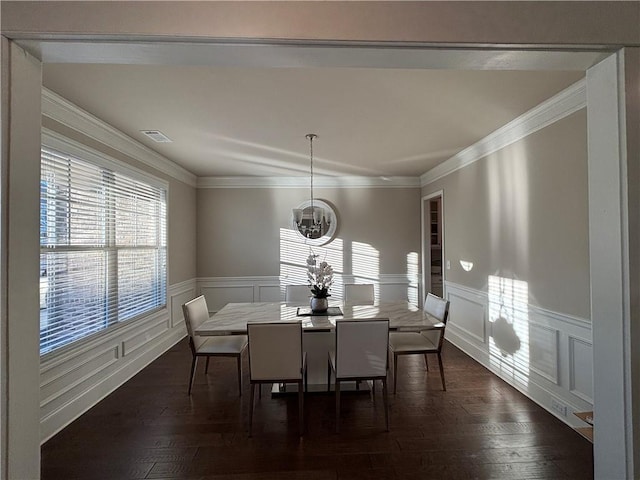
x=448, y=264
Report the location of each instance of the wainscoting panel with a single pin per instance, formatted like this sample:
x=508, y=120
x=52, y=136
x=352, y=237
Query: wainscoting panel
x=543, y=351
x=546, y=355
x=61, y=380
x=467, y=314
x=153, y=330
x=78, y=377
x=581, y=363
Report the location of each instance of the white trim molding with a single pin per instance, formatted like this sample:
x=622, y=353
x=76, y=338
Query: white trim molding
x=303, y=182
x=63, y=111
x=568, y=101
x=550, y=365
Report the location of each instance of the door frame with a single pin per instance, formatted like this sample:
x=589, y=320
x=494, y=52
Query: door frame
x=425, y=243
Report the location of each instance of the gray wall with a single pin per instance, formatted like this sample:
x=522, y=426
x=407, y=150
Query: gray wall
x=182, y=232
x=522, y=213
x=239, y=229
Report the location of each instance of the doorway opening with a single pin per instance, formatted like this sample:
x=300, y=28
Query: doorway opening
x=435, y=244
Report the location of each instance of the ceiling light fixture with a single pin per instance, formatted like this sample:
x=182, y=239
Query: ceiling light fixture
x=315, y=216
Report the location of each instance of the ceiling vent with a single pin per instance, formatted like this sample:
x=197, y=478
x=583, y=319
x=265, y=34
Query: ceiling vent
x=157, y=136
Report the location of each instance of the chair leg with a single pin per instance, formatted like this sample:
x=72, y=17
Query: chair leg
x=206, y=367
x=251, y=396
x=337, y=405
x=301, y=407
x=386, y=402
x=193, y=372
x=395, y=372
x=444, y=387
x=239, y=373
x=259, y=390
x=426, y=362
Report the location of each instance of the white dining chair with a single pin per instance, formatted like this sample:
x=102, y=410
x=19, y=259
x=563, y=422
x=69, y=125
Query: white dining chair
x=276, y=356
x=359, y=294
x=195, y=313
x=424, y=342
x=361, y=353
x=297, y=295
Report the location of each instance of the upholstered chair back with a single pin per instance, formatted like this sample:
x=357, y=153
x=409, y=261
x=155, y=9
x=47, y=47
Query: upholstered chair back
x=438, y=308
x=362, y=348
x=195, y=313
x=297, y=295
x=275, y=351
x=359, y=294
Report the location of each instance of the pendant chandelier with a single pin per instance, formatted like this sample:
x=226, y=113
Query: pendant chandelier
x=311, y=219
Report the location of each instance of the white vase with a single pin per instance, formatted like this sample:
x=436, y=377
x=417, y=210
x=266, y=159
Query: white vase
x=319, y=305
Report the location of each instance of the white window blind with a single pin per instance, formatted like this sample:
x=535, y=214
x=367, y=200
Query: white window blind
x=102, y=249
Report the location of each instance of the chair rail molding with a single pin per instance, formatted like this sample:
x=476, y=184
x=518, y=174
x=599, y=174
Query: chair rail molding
x=552, y=362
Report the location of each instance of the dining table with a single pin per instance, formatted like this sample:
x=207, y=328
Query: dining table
x=318, y=328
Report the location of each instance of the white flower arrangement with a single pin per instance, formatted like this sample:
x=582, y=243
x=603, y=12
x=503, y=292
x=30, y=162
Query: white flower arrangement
x=320, y=276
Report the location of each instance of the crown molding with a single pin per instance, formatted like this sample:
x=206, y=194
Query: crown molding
x=303, y=182
x=568, y=101
x=63, y=111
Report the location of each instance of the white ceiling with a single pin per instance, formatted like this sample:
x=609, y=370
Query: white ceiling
x=251, y=119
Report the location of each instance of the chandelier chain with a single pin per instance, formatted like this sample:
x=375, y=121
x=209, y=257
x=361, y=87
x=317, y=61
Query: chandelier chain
x=311, y=136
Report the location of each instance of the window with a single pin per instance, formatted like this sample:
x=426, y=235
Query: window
x=103, y=248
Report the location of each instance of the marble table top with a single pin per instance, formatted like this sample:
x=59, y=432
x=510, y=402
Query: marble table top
x=233, y=317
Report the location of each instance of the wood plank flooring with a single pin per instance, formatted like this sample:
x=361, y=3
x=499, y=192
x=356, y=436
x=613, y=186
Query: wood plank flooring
x=479, y=428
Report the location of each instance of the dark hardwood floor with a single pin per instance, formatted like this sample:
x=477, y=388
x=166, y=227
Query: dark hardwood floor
x=479, y=428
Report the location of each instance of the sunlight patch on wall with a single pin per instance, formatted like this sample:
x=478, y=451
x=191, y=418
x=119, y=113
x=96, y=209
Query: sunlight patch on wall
x=365, y=263
x=466, y=265
x=293, y=261
x=508, y=187
x=412, y=274
x=509, y=327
